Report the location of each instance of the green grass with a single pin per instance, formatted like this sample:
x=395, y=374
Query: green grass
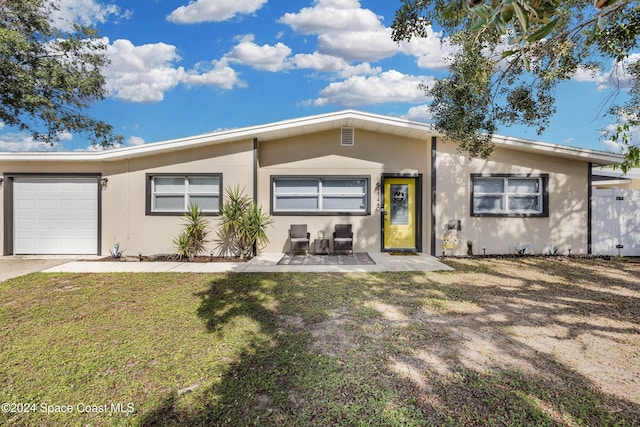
x=293, y=349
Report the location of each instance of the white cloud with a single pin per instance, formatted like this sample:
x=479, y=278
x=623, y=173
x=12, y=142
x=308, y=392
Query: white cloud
x=265, y=57
x=344, y=30
x=319, y=62
x=348, y=31
x=390, y=86
x=358, y=46
x=614, y=146
x=432, y=52
x=134, y=140
x=420, y=113
x=217, y=73
x=617, y=77
x=85, y=12
x=332, y=16
x=213, y=10
x=332, y=64
x=363, y=68
x=144, y=73
x=20, y=141
x=618, y=146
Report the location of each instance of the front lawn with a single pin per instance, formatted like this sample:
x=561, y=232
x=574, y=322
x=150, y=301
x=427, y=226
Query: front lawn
x=528, y=341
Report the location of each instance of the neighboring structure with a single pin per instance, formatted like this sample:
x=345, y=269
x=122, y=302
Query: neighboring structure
x=608, y=177
x=616, y=212
x=401, y=186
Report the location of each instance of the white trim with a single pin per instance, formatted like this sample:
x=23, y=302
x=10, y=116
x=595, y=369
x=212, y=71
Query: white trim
x=307, y=125
x=557, y=150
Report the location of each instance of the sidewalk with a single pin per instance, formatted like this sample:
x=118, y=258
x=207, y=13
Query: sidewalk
x=266, y=262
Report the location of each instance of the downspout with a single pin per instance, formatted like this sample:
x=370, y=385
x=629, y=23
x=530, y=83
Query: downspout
x=255, y=184
x=7, y=188
x=434, y=141
x=589, y=206
x=128, y=209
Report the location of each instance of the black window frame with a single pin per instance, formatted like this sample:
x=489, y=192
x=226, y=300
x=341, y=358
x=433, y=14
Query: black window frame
x=149, y=195
x=367, y=195
x=544, y=179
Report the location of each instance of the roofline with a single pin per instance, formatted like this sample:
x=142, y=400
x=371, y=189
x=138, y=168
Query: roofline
x=218, y=137
x=597, y=157
x=611, y=181
x=305, y=125
x=633, y=173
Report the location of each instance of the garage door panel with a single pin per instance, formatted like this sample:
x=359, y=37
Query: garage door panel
x=25, y=205
x=55, y=215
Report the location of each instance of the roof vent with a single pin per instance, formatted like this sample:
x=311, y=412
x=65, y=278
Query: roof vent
x=346, y=137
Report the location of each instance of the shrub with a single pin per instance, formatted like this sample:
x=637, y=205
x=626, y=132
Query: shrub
x=242, y=224
x=191, y=242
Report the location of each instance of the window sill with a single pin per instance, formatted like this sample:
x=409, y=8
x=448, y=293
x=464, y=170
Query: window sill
x=511, y=215
x=307, y=213
x=179, y=213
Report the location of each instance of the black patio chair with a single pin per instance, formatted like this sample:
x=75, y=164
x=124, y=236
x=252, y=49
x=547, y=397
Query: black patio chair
x=299, y=238
x=343, y=238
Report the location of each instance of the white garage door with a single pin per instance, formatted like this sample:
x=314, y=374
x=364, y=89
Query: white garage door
x=55, y=215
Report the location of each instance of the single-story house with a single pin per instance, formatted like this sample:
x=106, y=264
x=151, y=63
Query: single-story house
x=401, y=185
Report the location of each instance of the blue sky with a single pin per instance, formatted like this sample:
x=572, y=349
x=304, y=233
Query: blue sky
x=181, y=68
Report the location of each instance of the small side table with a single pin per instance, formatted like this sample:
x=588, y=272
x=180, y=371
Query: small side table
x=321, y=246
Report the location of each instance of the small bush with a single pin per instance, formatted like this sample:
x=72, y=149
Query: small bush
x=242, y=224
x=191, y=242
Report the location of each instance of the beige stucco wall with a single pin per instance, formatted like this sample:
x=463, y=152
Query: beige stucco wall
x=566, y=225
x=321, y=154
x=123, y=199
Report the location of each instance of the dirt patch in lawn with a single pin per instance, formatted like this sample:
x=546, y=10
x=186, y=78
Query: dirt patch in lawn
x=560, y=320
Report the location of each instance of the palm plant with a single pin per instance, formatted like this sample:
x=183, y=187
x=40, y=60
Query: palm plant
x=191, y=242
x=242, y=224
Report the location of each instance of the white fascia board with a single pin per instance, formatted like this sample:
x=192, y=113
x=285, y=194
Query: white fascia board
x=265, y=132
x=594, y=156
x=610, y=183
x=633, y=173
x=307, y=125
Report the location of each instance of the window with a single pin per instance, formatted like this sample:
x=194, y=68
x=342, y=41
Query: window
x=320, y=195
x=509, y=195
x=172, y=194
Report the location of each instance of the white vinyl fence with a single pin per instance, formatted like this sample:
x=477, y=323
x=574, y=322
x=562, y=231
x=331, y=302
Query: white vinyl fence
x=616, y=222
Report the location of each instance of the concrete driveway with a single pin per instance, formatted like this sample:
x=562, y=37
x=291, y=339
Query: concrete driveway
x=15, y=266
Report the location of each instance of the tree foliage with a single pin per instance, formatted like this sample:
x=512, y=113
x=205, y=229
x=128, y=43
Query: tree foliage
x=511, y=55
x=49, y=77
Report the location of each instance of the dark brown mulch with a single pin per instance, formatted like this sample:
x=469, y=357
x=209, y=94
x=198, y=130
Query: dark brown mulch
x=171, y=258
